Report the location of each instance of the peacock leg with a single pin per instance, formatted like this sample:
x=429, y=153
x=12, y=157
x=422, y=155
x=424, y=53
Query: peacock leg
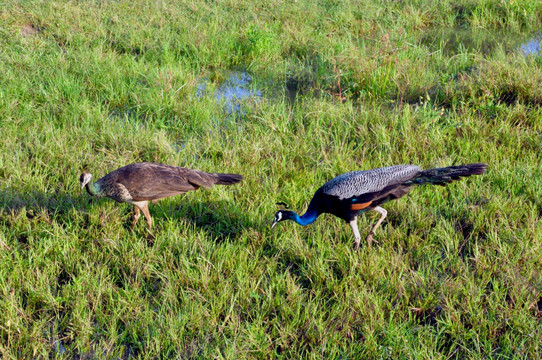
x=357, y=237
x=382, y=212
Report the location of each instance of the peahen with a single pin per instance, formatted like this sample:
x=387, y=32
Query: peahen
x=356, y=192
x=140, y=183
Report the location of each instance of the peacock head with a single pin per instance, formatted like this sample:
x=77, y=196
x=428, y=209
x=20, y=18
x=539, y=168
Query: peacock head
x=282, y=215
x=84, y=179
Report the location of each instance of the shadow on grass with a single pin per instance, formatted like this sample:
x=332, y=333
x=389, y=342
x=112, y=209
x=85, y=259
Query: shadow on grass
x=35, y=202
x=223, y=221
x=428, y=316
x=290, y=261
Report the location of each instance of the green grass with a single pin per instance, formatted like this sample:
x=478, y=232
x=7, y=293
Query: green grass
x=98, y=85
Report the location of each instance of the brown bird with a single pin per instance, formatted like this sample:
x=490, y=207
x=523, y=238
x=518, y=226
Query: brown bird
x=140, y=183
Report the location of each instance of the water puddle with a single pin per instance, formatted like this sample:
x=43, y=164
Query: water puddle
x=236, y=91
x=59, y=348
x=233, y=90
x=461, y=39
x=532, y=47
x=300, y=86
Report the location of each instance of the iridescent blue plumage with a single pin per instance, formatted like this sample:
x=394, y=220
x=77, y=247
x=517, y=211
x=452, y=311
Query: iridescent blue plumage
x=308, y=218
x=348, y=195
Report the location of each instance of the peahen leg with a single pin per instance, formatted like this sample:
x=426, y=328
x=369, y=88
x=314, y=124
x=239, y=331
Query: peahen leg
x=145, y=209
x=384, y=213
x=137, y=214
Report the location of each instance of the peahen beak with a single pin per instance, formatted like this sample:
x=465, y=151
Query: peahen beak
x=274, y=223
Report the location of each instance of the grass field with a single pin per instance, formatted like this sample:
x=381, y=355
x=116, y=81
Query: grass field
x=336, y=86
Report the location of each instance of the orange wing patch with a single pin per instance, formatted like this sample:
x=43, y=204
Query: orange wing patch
x=360, y=206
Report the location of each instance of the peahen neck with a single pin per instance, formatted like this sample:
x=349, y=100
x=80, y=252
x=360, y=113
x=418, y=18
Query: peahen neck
x=94, y=189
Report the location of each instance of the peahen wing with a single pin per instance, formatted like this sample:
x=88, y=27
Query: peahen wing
x=152, y=181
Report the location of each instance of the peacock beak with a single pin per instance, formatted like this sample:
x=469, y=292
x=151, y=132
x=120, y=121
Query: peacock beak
x=278, y=218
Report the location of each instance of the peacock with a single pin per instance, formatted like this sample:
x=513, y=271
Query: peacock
x=142, y=182
x=348, y=195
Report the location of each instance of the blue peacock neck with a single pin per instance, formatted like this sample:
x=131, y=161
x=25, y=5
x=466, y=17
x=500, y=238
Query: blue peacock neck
x=308, y=218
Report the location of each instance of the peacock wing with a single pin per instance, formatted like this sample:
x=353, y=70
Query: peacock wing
x=364, y=186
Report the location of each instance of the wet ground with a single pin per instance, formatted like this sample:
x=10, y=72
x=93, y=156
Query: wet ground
x=236, y=91
x=233, y=89
x=532, y=47
x=459, y=39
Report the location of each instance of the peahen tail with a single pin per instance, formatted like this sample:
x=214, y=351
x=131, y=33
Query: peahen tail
x=442, y=176
x=228, y=179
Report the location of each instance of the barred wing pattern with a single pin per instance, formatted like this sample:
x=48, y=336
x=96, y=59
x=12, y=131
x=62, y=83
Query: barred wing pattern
x=356, y=183
x=348, y=195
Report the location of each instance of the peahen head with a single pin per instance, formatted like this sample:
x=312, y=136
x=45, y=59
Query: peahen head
x=284, y=215
x=84, y=179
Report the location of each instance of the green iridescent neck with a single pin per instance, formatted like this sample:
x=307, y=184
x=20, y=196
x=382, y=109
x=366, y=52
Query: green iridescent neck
x=94, y=189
